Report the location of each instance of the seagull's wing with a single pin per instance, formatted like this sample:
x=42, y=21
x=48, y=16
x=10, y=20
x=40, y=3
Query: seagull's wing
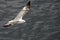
x=23, y=11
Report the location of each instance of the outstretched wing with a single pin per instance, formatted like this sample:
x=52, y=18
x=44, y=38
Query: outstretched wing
x=23, y=11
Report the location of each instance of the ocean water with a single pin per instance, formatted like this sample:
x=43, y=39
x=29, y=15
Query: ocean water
x=42, y=21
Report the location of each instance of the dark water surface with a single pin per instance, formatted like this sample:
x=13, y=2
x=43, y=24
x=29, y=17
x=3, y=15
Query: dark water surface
x=42, y=21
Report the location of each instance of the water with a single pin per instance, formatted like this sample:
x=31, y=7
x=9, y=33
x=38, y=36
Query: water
x=42, y=21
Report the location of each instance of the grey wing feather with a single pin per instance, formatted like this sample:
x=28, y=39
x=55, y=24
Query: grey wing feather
x=23, y=11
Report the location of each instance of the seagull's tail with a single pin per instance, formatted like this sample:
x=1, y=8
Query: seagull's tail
x=28, y=4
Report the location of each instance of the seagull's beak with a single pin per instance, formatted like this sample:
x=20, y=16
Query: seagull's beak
x=7, y=25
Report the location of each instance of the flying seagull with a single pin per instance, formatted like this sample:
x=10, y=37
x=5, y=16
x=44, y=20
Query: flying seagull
x=18, y=19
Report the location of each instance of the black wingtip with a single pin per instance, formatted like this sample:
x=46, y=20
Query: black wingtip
x=7, y=25
x=28, y=4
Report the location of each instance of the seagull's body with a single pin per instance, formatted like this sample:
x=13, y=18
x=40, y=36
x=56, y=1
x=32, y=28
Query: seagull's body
x=19, y=17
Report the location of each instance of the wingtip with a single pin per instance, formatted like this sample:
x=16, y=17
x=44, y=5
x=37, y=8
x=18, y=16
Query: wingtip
x=28, y=4
x=7, y=25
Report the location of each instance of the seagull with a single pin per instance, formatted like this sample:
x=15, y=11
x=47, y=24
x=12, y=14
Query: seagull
x=19, y=18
